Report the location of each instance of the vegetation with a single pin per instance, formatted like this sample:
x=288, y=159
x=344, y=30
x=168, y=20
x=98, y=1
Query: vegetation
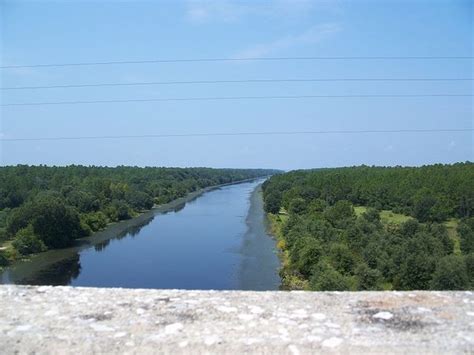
x=49, y=207
x=375, y=228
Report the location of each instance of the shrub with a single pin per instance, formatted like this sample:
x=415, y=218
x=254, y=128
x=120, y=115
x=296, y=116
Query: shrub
x=26, y=242
x=95, y=220
x=118, y=210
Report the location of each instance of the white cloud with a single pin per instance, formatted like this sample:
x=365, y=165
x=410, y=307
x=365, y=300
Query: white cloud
x=313, y=35
x=204, y=11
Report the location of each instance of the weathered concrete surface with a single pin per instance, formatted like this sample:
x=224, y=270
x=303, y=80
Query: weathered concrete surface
x=84, y=320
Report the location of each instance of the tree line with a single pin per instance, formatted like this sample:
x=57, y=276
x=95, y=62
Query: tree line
x=45, y=207
x=327, y=246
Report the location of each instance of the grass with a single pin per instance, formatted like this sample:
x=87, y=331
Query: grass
x=5, y=244
x=452, y=225
x=386, y=216
x=389, y=217
x=359, y=210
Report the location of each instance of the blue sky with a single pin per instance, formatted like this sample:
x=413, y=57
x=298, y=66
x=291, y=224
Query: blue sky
x=83, y=31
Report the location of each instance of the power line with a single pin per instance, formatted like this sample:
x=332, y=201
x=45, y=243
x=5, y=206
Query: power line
x=197, y=60
x=274, y=133
x=67, y=86
x=221, y=98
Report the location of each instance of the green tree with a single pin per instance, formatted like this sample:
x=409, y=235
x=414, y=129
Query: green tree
x=3, y=259
x=297, y=206
x=450, y=274
x=139, y=200
x=422, y=207
x=326, y=278
x=306, y=254
x=466, y=233
x=26, y=242
x=95, y=220
x=416, y=272
x=272, y=203
x=367, y=278
x=469, y=261
x=340, y=214
x=341, y=258
x=56, y=224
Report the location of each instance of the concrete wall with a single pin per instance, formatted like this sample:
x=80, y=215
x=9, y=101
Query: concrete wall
x=84, y=320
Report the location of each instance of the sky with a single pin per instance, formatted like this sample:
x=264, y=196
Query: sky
x=45, y=32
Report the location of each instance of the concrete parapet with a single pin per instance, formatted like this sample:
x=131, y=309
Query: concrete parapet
x=103, y=320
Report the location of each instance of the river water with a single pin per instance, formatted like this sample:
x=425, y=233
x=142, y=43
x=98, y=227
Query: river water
x=216, y=241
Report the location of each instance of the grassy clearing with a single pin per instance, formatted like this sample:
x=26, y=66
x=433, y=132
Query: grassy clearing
x=452, y=225
x=389, y=217
x=359, y=210
x=386, y=216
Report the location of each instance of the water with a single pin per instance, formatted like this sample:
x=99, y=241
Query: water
x=217, y=241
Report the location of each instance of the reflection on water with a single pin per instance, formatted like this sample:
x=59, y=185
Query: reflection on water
x=102, y=245
x=132, y=231
x=60, y=273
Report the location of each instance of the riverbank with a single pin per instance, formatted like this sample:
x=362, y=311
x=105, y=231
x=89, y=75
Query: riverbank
x=260, y=262
x=289, y=281
x=22, y=269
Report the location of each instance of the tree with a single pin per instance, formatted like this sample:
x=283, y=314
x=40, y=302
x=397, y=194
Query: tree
x=440, y=232
x=466, y=233
x=366, y=252
x=26, y=242
x=423, y=202
x=326, y=278
x=307, y=253
x=56, y=224
x=340, y=213
x=341, y=258
x=95, y=220
x=469, y=261
x=372, y=215
x=450, y=274
x=317, y=205
x=3, y=259
x=409, y=228
x=272, y=203
x=367, y=278
x=297, y=206
x=139, y=200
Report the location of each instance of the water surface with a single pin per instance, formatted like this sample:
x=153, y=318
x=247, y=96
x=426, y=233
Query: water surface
x=217, y=241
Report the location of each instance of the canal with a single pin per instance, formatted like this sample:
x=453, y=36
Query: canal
x=217, y=241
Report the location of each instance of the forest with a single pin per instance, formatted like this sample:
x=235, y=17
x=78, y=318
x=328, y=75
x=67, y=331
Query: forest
x=375, y=228
x=50, y=207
